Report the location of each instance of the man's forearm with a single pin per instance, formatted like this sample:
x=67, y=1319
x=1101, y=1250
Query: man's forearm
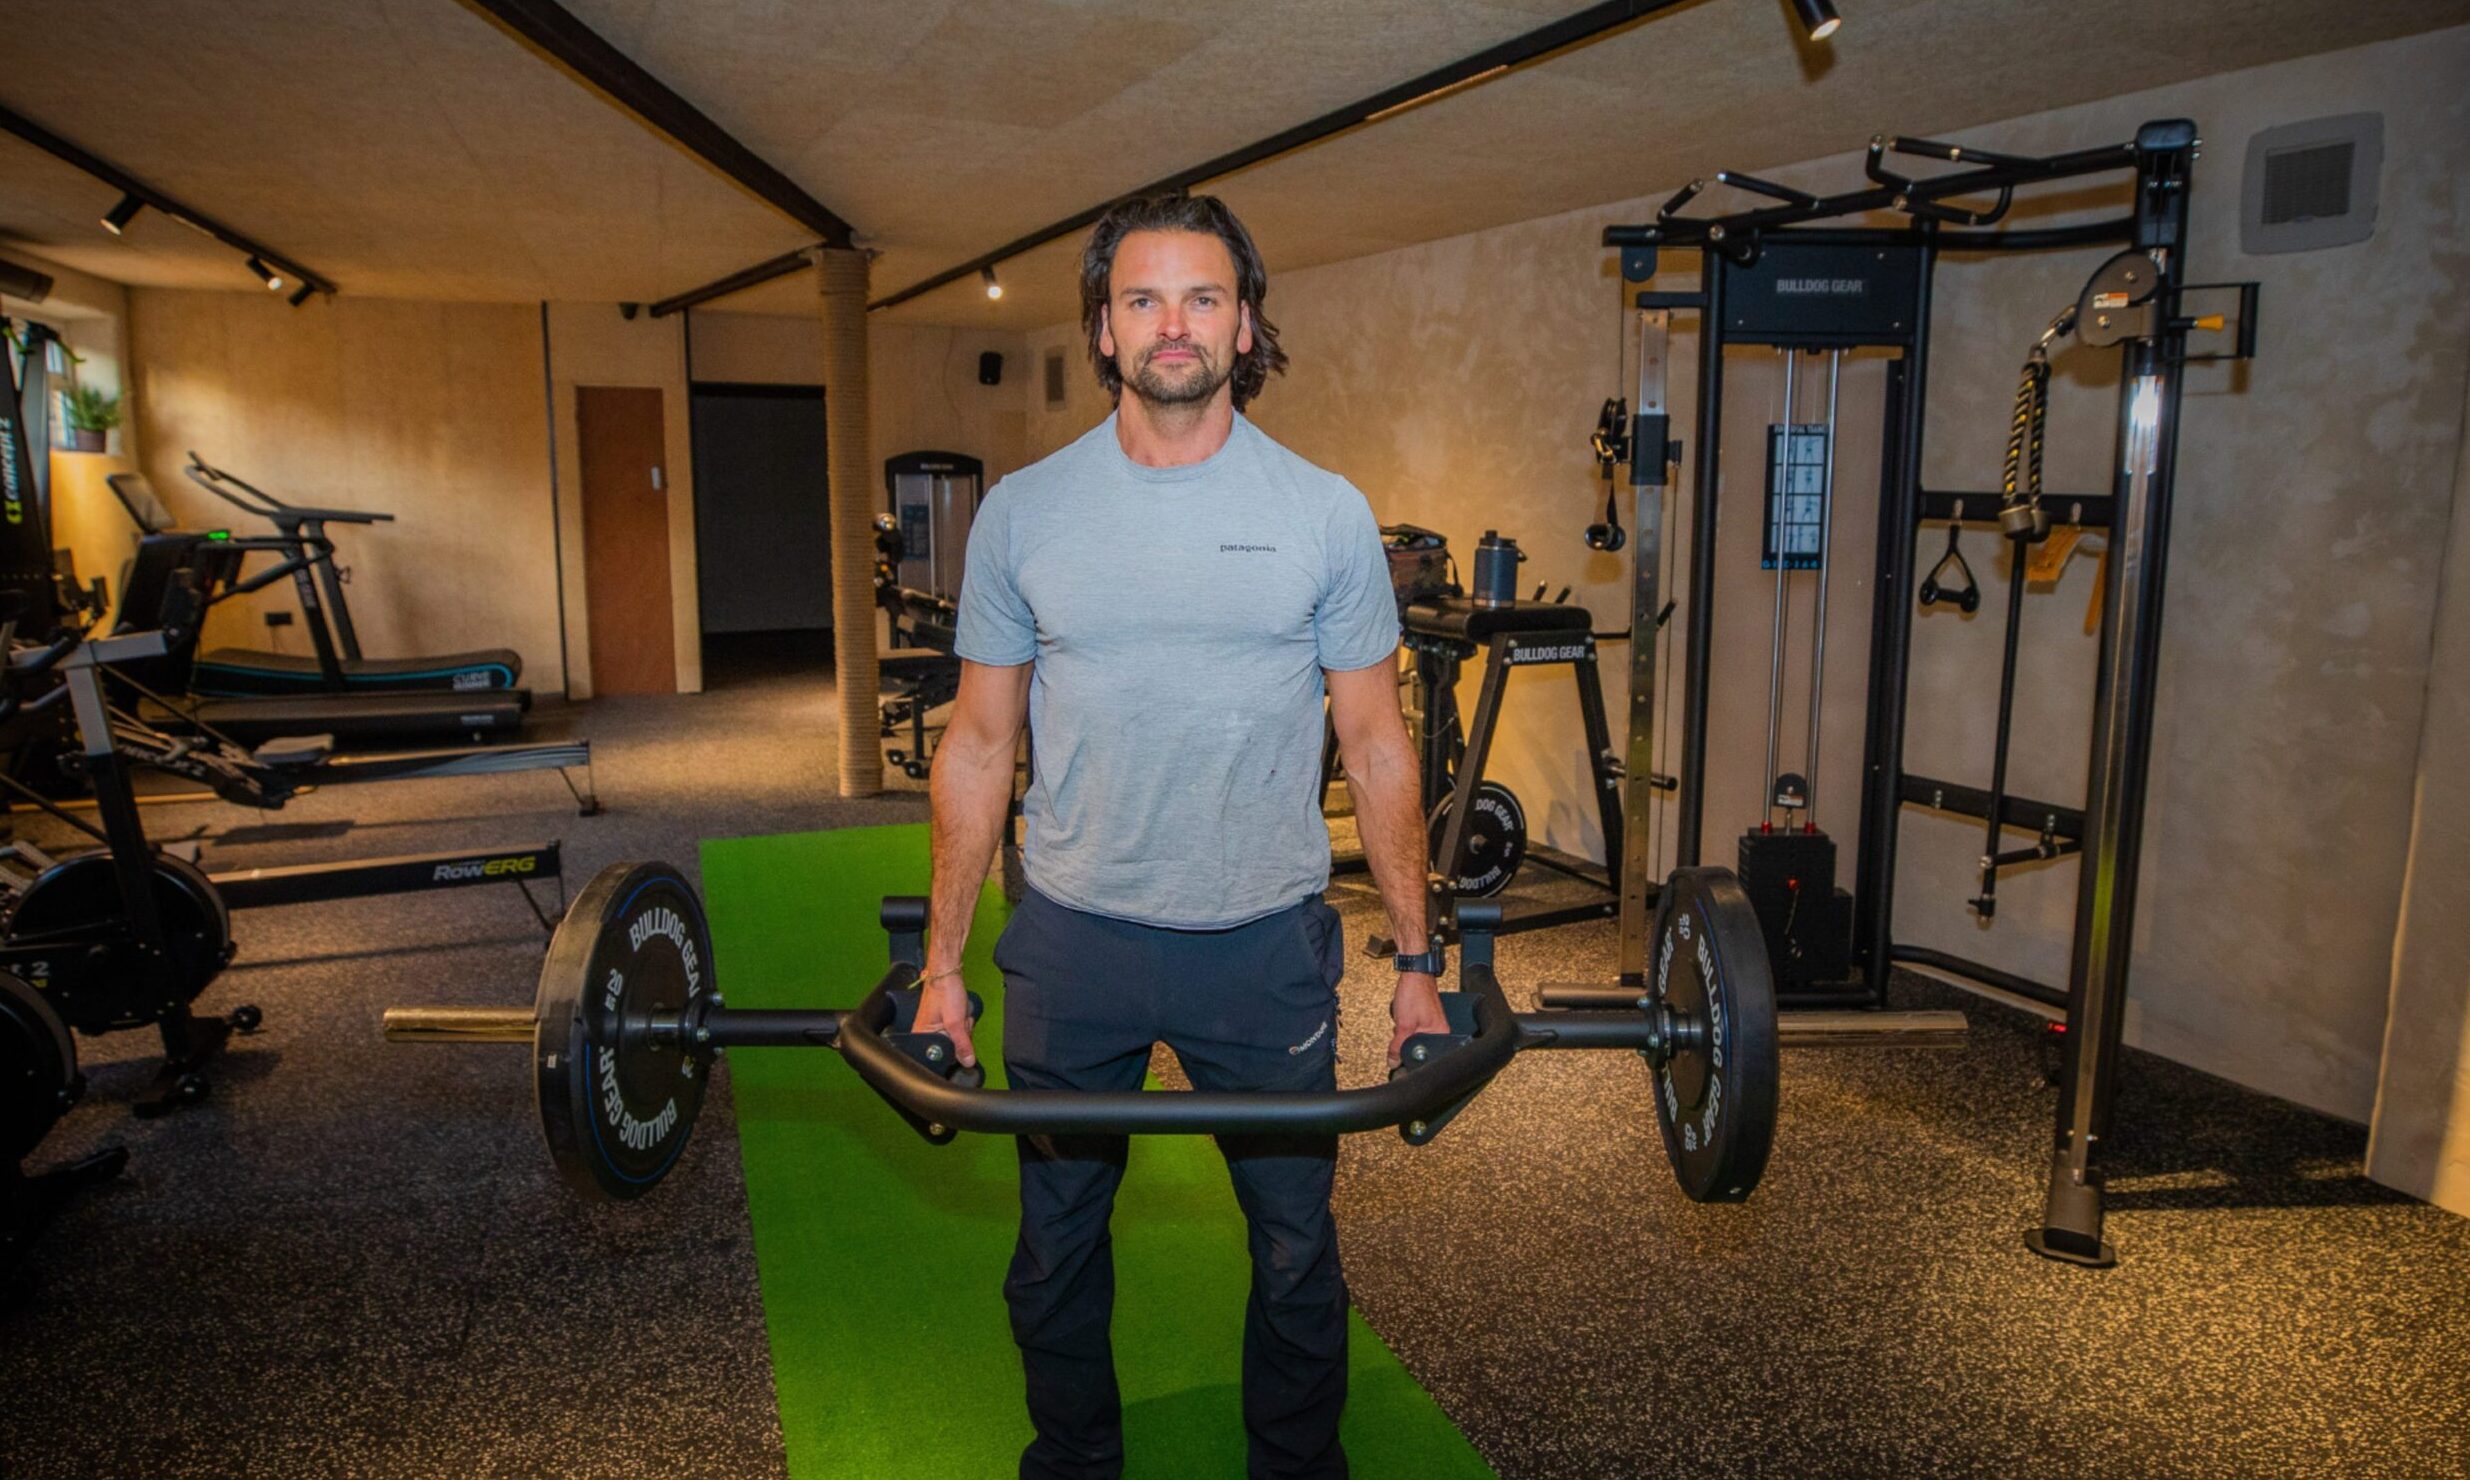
x=971, y=794
x=1385, y=787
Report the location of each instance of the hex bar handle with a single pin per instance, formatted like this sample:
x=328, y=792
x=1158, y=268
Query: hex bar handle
x=1421, y=1094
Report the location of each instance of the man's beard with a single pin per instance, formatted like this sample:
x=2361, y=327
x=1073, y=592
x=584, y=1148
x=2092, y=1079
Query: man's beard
x=1198, y=382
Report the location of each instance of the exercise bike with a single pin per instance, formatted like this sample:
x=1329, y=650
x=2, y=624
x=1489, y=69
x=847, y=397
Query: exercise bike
x=119, y=936
x=39, y=1081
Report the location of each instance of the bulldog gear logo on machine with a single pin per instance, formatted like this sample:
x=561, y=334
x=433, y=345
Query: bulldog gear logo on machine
x=1822, y=287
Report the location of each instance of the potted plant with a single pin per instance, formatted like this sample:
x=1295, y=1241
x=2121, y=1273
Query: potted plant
x=90, y=415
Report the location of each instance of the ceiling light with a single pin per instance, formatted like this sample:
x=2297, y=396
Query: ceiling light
x=122, y=214
x=305, y=291
x=267, y=275
x=994, y=289
x=1818, y=18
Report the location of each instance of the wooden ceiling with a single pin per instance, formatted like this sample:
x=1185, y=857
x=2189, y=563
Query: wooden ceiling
x=412, y=149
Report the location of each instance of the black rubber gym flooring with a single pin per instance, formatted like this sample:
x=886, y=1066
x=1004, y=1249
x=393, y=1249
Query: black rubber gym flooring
x=353, y=1260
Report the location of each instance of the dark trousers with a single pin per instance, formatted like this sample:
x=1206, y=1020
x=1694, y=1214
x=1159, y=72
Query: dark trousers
x=1251, y=1008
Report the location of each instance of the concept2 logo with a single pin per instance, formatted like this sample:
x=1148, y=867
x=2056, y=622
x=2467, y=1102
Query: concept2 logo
x=12, y=500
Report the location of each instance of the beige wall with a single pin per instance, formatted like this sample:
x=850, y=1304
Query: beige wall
x=2421, y=1140
x=1455, y=384
x=762, y=349
x=428, y=411
x=593, y=344
x=927, y=398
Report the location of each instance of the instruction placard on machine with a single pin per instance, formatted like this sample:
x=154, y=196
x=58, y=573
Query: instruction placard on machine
x=1796, y=497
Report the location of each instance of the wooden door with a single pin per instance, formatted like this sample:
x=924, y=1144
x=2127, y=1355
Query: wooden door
x=626, y=539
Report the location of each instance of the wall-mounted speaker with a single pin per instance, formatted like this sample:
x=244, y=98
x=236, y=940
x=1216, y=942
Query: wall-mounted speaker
x=990, y=368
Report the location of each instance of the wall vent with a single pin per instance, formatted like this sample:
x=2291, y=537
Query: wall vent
x=2309, y=184
x=1054, y=380
x=2312, y=185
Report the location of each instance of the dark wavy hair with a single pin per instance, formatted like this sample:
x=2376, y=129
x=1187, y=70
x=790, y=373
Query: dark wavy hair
x=1202, y=213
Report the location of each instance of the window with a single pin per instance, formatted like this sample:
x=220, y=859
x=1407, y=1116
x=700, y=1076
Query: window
x=63, y=377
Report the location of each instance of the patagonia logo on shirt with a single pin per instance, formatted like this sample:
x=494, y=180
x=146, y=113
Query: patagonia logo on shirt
x=1318, y=1034
x=1247, y=549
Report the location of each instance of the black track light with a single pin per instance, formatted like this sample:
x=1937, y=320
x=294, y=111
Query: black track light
x=267, y=275
x=119, y=217
x=994, y=289
x=302, y=294
x=1818, y=18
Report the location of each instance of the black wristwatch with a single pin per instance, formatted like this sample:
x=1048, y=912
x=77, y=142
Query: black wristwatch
x=1432, y=962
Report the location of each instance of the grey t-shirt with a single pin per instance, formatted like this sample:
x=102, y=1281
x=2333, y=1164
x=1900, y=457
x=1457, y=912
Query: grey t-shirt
x=1179, y=619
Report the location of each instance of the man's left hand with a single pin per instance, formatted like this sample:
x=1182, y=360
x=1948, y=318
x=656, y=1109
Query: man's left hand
x=1416, y=1009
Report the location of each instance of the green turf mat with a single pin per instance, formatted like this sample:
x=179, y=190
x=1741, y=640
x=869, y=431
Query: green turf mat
x=882, y=1258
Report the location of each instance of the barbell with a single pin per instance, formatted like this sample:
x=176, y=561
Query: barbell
x=627, y=1019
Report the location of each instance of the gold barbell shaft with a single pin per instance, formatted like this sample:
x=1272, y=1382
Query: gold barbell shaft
x=1936, y=1028
x=458, y=1025
x=1932, y=1029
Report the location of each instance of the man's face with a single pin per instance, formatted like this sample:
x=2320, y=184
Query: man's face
x=1173, y=325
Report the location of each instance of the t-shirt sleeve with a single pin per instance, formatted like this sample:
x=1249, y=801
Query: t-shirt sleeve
x=996, y=626
x=1356, y=624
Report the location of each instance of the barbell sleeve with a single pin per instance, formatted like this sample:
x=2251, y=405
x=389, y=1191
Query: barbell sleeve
x=1574, y=994
x=459, y=1025
x=785, y=1028
x=1590, y=1027
x=1860, y=1028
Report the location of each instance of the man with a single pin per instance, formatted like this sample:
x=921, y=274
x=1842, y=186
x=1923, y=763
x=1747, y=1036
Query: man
x=1165, y=596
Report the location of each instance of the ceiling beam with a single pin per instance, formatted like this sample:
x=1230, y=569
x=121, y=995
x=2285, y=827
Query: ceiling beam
x=736, y=282
x=129, y=185
x=1591, y=24
x=555, y=32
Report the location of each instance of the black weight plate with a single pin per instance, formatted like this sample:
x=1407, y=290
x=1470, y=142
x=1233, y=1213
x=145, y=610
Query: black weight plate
x=1715, y=1097
x=38, y=1069
x=1496, y=841
x=617, y=1102
x=70, y=937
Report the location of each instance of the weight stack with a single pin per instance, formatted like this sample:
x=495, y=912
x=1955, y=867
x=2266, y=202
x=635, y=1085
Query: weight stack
x=1790, y=878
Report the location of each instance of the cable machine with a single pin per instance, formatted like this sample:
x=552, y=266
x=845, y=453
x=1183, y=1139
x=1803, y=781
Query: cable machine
x=1767, y=277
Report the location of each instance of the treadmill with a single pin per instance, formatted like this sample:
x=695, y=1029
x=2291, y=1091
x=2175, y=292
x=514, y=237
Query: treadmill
x=304, y=552
x=354, y=720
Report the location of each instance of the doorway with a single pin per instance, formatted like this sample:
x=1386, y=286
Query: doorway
x=763, y=532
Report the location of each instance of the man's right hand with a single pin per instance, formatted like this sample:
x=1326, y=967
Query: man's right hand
x=943, y=1007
